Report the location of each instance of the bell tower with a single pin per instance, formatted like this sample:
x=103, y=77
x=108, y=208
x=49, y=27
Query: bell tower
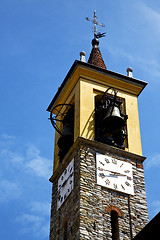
x=98, y=179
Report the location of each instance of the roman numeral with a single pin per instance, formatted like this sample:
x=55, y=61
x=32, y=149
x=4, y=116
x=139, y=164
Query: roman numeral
x=115, y=186
x=102, y=175
x=122, y=164
x=128, y=184
x=107, y=160
x=107, y=182
x=123, y=187
x=114, y=161
x=101, y=163
x=100, y=169
x=65, y=196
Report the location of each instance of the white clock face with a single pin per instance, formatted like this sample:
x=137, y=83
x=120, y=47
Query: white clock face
x=114, y=174
x=65, y=184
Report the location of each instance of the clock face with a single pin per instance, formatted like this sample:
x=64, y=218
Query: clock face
x=65, y=184
x=114, y=174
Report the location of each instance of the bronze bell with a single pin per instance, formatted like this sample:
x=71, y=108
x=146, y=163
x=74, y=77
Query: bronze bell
x=67, y=137
x=113, y=122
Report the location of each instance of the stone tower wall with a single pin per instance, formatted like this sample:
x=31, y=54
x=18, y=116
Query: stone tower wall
x=96, y=202
x=66, y=220
x=86, y=214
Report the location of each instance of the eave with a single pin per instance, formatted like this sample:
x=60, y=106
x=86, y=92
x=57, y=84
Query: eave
x=117, y=76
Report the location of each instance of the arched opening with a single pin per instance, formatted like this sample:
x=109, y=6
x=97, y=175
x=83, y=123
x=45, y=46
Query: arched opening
x=114, y=225
x=65, y=231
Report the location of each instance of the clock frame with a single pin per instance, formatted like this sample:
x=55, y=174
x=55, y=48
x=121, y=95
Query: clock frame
x=65, y=184
x=114, y=174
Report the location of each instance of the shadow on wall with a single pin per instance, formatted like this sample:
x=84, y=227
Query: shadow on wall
x=89, y=128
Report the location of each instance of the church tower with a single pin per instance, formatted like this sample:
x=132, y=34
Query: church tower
x=98, y=178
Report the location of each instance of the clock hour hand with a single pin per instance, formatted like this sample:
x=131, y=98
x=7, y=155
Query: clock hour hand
x=66, y=180
x=64, y=183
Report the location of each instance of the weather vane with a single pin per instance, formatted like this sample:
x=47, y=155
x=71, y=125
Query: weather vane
x=94, y=21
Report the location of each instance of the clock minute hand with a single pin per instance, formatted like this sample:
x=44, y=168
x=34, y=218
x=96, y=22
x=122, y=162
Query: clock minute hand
x=118, y=174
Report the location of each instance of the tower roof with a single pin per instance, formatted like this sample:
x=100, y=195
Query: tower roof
x=95, y=57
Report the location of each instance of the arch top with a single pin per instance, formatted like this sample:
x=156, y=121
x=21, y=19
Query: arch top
x=114, y=208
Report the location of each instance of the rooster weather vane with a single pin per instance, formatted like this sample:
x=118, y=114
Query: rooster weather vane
x=95, y=30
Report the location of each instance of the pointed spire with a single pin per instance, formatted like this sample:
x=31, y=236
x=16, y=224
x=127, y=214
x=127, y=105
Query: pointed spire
x=95, y=57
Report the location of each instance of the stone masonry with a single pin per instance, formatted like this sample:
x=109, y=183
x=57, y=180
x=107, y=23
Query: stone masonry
x=86, y=213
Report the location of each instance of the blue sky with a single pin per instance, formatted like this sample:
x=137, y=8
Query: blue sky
x=39, y=41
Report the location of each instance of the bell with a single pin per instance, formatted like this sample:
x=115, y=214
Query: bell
x=65, y=141
x=112, y=122
x=67, y=137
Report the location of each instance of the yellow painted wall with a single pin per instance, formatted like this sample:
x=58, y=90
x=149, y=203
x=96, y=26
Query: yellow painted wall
x=87, y=104
x=72, y=98
x=82, y=88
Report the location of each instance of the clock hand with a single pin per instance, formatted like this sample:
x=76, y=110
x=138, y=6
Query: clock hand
x=66, y=180
x=118, y=174
x=64, y=183
x=102, y=169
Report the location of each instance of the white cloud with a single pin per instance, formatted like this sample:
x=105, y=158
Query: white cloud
x=32, y=152
x=9, y=190
x=18, y=162
x=153, y=161
x=120, y=52
x=8, y=151
x=27, y=159
x=42, y=208
x=36, y=221
x=143, y=37
x=11, y=156
x=8, y=137
x=155, y=206
x=30, y=218
x=32, y=224
x=38, y=164
x=151, y=15
x=146, y=63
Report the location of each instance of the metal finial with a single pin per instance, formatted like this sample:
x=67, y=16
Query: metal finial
x=129, y=72
x=94, y=21
x=82, y=56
